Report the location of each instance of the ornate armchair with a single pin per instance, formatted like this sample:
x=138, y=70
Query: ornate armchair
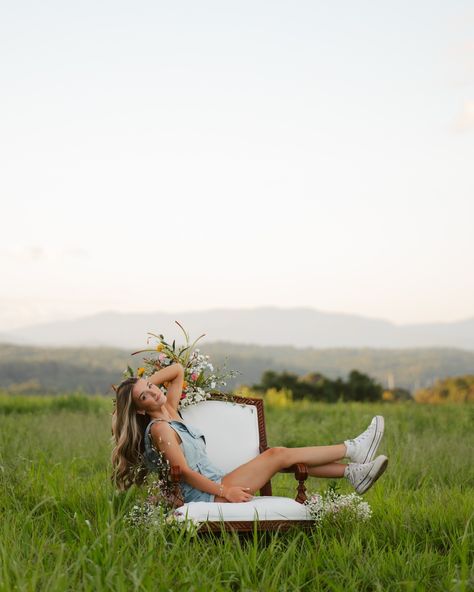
x=235, y=433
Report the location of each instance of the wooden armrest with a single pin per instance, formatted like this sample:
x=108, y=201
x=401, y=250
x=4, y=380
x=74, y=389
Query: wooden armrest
x=300, y=471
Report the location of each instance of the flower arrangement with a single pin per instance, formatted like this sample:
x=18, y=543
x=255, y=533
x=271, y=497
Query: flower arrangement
x=200, y=378
x=333, y=507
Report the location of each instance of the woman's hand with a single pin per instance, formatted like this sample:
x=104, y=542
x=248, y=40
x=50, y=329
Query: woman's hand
x=238, y=494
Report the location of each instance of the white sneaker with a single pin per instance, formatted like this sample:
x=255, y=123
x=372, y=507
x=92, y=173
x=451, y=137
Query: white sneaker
x=363, y=476
x=363, y=448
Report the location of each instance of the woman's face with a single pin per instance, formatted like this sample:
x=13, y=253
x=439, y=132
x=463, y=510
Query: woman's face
x=147, y=396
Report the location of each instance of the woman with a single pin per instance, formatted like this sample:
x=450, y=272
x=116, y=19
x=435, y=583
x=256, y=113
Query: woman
x=146, y=418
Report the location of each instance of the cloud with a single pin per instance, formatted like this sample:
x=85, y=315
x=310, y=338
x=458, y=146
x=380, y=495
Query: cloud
x=75, y=253
x=465, y=120
x=24, y=253
x=466, y=58
x=461, y=64
x=462, y=55
x=37, y=253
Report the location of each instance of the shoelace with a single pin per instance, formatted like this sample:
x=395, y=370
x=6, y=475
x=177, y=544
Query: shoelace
x=358, y=468
x=368, y=432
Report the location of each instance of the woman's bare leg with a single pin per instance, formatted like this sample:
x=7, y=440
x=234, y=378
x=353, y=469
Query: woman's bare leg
x=258, y=471
x=333, y=470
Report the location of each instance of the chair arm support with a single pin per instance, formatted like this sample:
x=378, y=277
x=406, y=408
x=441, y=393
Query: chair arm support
x=300, y=472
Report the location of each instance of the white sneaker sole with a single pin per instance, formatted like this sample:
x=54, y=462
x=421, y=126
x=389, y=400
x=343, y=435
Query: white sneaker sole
x=380, y=464
x=379, y=429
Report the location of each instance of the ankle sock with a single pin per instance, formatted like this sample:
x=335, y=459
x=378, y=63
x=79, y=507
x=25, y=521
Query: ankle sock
x=350, y=448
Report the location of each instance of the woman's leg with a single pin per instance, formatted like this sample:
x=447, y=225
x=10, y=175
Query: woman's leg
x=333, y=470
x=258, y=471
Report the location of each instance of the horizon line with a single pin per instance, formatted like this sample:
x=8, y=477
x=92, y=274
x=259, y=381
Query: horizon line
x=239, y=309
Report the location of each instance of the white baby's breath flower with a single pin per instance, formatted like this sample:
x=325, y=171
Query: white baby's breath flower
x=332, y=504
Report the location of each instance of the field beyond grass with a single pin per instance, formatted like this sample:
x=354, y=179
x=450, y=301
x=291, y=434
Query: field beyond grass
x=62, y=528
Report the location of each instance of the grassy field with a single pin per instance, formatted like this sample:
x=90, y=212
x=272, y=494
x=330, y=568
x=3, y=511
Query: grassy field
x=62, y=529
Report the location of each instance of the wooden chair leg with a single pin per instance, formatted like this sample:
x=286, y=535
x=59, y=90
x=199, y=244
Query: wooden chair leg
x=301, y=474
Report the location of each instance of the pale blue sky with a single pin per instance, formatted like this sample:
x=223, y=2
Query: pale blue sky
x=193, y=155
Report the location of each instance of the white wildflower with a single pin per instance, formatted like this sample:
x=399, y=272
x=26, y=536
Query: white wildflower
x=332, y=505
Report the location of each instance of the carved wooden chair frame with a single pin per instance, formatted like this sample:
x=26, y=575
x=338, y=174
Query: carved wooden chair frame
x=299, y=470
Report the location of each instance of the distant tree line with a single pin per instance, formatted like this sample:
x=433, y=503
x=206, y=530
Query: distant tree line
x=458, y=389
x=316, y=386
x=37, y=370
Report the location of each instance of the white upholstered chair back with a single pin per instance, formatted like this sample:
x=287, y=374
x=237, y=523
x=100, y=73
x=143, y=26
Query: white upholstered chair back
x=230, y=429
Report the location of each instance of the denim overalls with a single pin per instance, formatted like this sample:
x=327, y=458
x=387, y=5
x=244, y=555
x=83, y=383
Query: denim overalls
x=194, y=448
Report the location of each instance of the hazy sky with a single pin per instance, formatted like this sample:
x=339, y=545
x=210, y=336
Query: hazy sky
x=190, y=155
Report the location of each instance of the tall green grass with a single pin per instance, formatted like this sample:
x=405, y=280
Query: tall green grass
x=62, y=529
x=75, y=401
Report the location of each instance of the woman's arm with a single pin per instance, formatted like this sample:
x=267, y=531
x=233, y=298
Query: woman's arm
x=173, y=374
x=165, y=440
x=166, y=374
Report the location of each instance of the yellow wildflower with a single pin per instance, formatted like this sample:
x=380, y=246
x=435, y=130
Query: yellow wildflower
x=185, y=385
x=140, y=372
x=159, y=347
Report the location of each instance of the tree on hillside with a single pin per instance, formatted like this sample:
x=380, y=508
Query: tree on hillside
x=396, y=394
x=361, y=387
x=322, y=388
x=457, y=389
x=312, y=378
x=316, y=386
x=283, y=380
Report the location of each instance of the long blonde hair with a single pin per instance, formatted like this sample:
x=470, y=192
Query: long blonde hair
x=128, y=429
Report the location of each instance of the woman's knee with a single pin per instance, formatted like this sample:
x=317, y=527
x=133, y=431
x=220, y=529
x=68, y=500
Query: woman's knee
x=278, y=453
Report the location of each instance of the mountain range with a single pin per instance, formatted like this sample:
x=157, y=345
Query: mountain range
x=268, y=325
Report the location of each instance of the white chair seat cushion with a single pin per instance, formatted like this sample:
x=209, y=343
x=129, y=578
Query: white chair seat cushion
x=265, y=507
